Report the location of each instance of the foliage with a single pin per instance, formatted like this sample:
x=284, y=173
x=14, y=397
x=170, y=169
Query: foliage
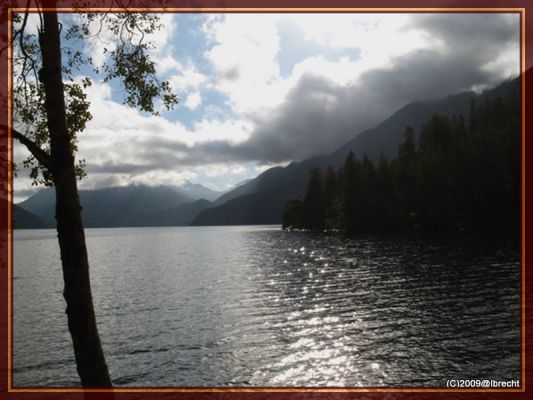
x=128, y=63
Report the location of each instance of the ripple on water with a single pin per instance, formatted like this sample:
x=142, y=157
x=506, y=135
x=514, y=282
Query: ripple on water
x=232, y=306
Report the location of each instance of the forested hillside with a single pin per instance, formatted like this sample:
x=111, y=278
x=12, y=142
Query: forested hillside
x=462, y=174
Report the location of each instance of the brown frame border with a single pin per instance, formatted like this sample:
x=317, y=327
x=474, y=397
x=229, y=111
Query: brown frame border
x=521, y=11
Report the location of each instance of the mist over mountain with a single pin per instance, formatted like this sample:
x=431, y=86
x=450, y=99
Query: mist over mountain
x=135, y=205
x=197, y=191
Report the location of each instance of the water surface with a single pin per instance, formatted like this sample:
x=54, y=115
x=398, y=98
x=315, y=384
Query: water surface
x=239, y=306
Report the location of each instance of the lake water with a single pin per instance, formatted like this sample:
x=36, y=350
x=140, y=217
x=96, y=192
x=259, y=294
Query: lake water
x=239, y=306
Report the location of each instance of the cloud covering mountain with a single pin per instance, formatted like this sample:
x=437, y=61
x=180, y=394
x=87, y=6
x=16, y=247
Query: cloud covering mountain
x=265, y=89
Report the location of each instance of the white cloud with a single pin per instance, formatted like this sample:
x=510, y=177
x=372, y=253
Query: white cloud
x=162, y=38
x=233, y=131
x=33, y=23
x=387, y=34
x=244, y=55
x=186, y=77
x=193, y=100
x=245, y=52
x=150, y=178
x=342, y=72
x=216, y=170
x=158, y=177
x=116, y=133
x=167, y=63
x=507, y=63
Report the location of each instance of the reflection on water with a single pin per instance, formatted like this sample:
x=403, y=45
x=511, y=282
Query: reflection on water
x=221, y=306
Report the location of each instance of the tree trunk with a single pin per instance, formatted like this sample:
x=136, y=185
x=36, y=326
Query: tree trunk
x=90, y=360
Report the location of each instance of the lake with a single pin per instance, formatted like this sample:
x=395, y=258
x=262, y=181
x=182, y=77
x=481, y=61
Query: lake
x=253, y=305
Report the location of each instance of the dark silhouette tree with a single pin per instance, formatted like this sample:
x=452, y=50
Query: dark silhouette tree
x=368, y=192
x=292, y=217
x=349, y=190
x=313, y=202
x=51, y=109
x=434, y=173
x=407, y=179
x=386, y=202
x=331, y=199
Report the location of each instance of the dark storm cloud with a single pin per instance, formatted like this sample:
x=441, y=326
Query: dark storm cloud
x=462, y=28
x=308, y=124
x=155, y=153
x=319, y=115
x=122, y=168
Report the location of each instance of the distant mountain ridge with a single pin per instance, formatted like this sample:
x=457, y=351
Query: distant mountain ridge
x=134, y=205
x=279, y=184
x=197, y=191
x=26, y=219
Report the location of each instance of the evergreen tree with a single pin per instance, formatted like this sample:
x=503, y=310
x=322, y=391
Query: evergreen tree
x=349, y=193
x=386, y=201
x=433, y=171
x=367, y=192
x=292, y=217
x=313, y=203
x=331, y=198
x=406, y=180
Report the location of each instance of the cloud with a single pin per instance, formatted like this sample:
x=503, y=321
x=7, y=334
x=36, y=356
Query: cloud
x=248, y=51
x=324, y=103
x=193, y=100
x=186, y=77
x=380, y=63
x=320, y=114
x=489, y=42
x=33, y=23
x=23, y=190
x=244, y=58
x=327, y=106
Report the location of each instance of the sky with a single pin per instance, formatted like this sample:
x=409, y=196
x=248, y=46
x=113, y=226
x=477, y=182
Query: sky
x=260, y=90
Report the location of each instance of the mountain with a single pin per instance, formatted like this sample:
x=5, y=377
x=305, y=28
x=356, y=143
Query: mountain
x=197, y=191
x=41, y=204
x=252, y=209
x=23, y=219
x=136, y=205
x=388, y=135
x=181, y=215
x=246, y=204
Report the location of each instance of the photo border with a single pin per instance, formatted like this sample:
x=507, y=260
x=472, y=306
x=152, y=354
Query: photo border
x=9, y=391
